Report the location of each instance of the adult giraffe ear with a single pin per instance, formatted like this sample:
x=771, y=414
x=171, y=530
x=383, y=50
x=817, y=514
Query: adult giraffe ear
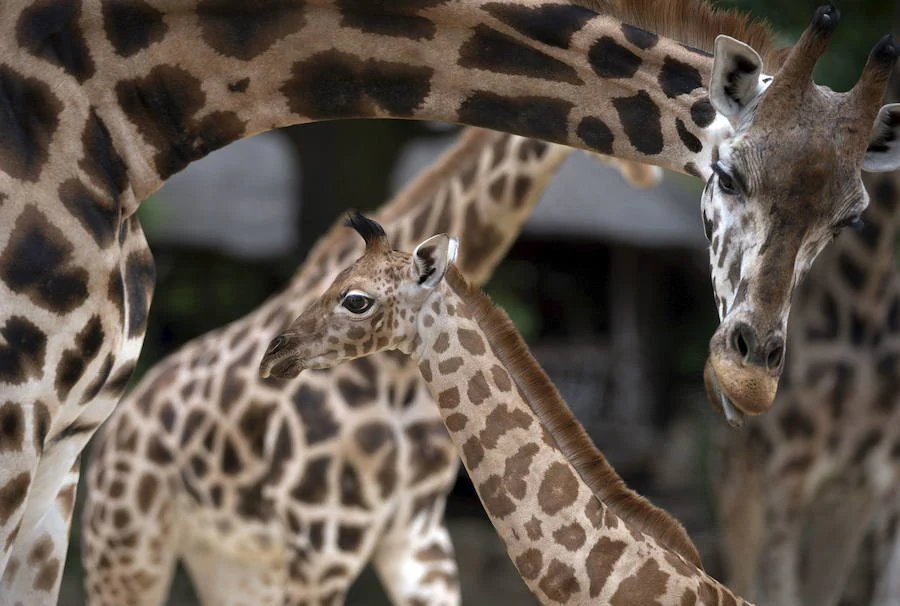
x=432, y=259
x=883, y=153
x=736, y=78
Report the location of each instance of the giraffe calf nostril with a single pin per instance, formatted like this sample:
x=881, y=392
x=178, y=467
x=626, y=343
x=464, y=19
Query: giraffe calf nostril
x=277, y=344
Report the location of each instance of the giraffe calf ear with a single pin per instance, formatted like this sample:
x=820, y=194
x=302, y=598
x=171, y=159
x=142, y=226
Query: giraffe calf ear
x=883, y=153
x=735, y=81
x=432, y=259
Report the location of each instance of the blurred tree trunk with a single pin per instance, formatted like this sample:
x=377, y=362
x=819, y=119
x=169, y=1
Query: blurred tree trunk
x=345, y=164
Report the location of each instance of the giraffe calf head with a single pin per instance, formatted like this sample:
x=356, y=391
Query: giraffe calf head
x=371, y=306
x=779, y=189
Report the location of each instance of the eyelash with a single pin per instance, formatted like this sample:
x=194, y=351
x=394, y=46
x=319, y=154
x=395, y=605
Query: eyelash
x=726, y=182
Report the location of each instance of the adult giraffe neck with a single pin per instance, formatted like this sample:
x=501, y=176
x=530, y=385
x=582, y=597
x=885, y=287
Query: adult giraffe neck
x=173, y=84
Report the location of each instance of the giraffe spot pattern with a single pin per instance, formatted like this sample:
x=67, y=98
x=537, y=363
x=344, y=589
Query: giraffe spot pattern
x=689, y=139
x=22, y=354
x=478, y=390
x=158, y=452
x=456, y=422
x=37, y=263
x=449, y=398
x=332, y=84
x=483, y=238
x=319, y=423
x=571, y=536
x=611, y=60
x=640, y=118
x=12, y=495
x=98, y=216
x=471, y=341
x=495, y=497
x=351, y=488
x=529, y=564
x=703, y=113
x=551, y=24
x=641, y=38
x=231, y=459
x=139, y=280
x=244, y=31
x=677, y=78
x=501, y=378
x=493, y=51
x=101, y=161
x=163, y=105
x=642, y=587
x=558, y=489
x=501, y=420
x=29, y=117
x=41, y=424
x=75, y=361
x=473, y=453
x=533, y=529
x=313, y=486
x=253, y=424
x=596, y=134
x=132, y=25
x=450, y=365
x=47, y=575
x=146, y=491
x=49, y=30
x=387, y=474
x=852, y=274
x=428, y=443
x=373, y=436
x=543, y=118
x=600, y=562
x=559, y=583
x=12, y=427
x=385, y=18
x=516, y=470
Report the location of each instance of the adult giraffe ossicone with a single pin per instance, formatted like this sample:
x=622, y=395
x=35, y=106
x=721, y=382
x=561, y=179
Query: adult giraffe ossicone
x=102, y=100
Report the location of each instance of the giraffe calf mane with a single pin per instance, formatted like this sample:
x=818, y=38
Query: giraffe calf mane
x=559, y=421
x=695, y=23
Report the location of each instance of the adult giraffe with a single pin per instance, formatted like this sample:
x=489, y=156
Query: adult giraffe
x=102, y=100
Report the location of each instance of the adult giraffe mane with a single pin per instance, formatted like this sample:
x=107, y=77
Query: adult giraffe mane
x=555, y=416
x=695, y=23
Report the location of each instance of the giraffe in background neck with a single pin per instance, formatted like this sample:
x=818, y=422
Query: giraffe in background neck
x=292, y=486
x=105, y=99
x=575, y=532
x=800, y=488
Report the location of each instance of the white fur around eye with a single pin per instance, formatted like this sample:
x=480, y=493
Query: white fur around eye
x=357, y=293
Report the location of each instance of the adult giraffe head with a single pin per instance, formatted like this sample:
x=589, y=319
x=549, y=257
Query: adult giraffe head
x=782, y=186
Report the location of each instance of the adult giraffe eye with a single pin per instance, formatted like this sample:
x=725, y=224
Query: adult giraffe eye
x=357, y=304
x=726, y=182
x=854, y=222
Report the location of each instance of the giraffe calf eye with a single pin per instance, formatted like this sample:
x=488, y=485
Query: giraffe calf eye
x=357, y=304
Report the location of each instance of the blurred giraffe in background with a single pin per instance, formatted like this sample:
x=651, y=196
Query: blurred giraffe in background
x=283, y=490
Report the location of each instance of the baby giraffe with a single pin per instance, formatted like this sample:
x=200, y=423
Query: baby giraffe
x=573, y=529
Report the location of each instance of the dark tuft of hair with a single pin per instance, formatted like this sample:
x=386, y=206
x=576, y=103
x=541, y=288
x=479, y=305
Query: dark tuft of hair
x=371, y=231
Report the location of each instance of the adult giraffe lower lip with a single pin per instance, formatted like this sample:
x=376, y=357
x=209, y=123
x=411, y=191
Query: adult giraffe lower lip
x=738, y=389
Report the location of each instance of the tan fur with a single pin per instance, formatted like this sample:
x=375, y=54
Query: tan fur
x=557, y=418
x=695, y=23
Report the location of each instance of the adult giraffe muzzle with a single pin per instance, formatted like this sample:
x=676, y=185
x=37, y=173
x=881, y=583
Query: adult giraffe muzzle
x=772, y=204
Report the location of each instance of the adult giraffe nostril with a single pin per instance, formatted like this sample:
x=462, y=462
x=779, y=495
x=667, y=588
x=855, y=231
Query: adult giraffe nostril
x=743, y=341
x=775, y=354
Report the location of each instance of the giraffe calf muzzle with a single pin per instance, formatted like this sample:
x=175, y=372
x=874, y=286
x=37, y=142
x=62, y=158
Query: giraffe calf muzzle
x=281, y=360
